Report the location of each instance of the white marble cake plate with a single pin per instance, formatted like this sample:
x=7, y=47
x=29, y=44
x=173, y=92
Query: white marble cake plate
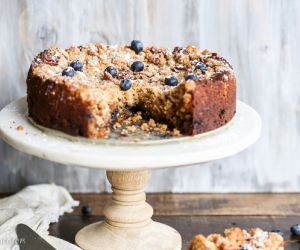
x=128, y=223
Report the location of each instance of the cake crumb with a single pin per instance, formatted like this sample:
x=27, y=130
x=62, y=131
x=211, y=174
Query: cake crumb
x=163, y=127
x=20, y=128
x=131, y=129
x=152, y=123
x=117, y=125
x=145, y=127
x=176, y=132
x=124, y=132
x=137, y=117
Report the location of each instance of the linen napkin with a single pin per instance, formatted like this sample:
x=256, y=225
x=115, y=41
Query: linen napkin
x=36, y=206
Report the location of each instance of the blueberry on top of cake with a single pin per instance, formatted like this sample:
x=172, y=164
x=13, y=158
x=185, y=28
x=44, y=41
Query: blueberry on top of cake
x=77, y=90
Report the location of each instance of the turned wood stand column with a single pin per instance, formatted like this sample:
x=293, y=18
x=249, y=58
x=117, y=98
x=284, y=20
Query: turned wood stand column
x=128, y=207
x=128, y=224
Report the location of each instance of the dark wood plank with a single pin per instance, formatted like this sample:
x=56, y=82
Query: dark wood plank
x=188, y=226
x=207, y=204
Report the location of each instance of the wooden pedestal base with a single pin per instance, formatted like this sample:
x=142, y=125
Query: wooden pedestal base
x=103, y=236
x=128, y=224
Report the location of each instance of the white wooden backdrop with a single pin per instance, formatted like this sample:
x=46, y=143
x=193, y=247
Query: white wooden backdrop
x=261, y=38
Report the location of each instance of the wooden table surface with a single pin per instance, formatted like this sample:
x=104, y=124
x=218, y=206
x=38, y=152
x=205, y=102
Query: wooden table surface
x=191, y=214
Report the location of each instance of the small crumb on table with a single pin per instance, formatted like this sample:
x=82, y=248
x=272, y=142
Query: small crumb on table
x=20, y=128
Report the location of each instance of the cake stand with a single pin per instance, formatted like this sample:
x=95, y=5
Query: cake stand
x=128, y=224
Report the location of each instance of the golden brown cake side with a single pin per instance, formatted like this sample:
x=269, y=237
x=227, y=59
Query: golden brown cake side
x=62, y=107
x=87, y=102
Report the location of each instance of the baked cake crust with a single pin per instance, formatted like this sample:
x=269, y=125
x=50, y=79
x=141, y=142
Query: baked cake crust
x=87, y=103
x=239, y=239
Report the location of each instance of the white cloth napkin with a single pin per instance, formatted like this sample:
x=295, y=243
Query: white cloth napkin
x=36, y=206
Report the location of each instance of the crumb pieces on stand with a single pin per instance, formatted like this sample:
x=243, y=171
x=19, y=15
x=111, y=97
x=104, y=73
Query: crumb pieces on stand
x=137, y=126
x=20, y=128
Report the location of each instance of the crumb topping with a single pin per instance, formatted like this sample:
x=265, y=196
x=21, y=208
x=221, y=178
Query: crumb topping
x=159, y=63
x=239, y=239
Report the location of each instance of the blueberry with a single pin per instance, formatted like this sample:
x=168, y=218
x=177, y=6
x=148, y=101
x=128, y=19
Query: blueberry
x=86, y=209
x=137, y=66
x=278, y=231
x=125, y=84
x=200, y=66
x=136, y=45
x=68, y=71
x=111, y=70
x=76, y=65
x=171, y=81
x=295, y=229
x=247, y=247
x=191, y=77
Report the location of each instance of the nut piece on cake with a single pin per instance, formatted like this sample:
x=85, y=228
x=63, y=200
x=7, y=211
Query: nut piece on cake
x=239, y=239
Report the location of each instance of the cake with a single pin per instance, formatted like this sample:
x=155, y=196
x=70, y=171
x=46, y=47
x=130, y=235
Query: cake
x=83, y=90
x=239, y=239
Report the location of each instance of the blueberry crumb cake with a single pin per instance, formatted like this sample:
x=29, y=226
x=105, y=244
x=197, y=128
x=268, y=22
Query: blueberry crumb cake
x=239, y=239
x=86, y=90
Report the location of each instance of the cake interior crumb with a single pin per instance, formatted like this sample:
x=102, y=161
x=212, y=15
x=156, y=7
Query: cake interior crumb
x=137, y=125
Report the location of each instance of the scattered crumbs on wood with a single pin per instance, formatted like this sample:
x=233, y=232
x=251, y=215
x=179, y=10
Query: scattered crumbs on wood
x=136, y=139
x=20, y=128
